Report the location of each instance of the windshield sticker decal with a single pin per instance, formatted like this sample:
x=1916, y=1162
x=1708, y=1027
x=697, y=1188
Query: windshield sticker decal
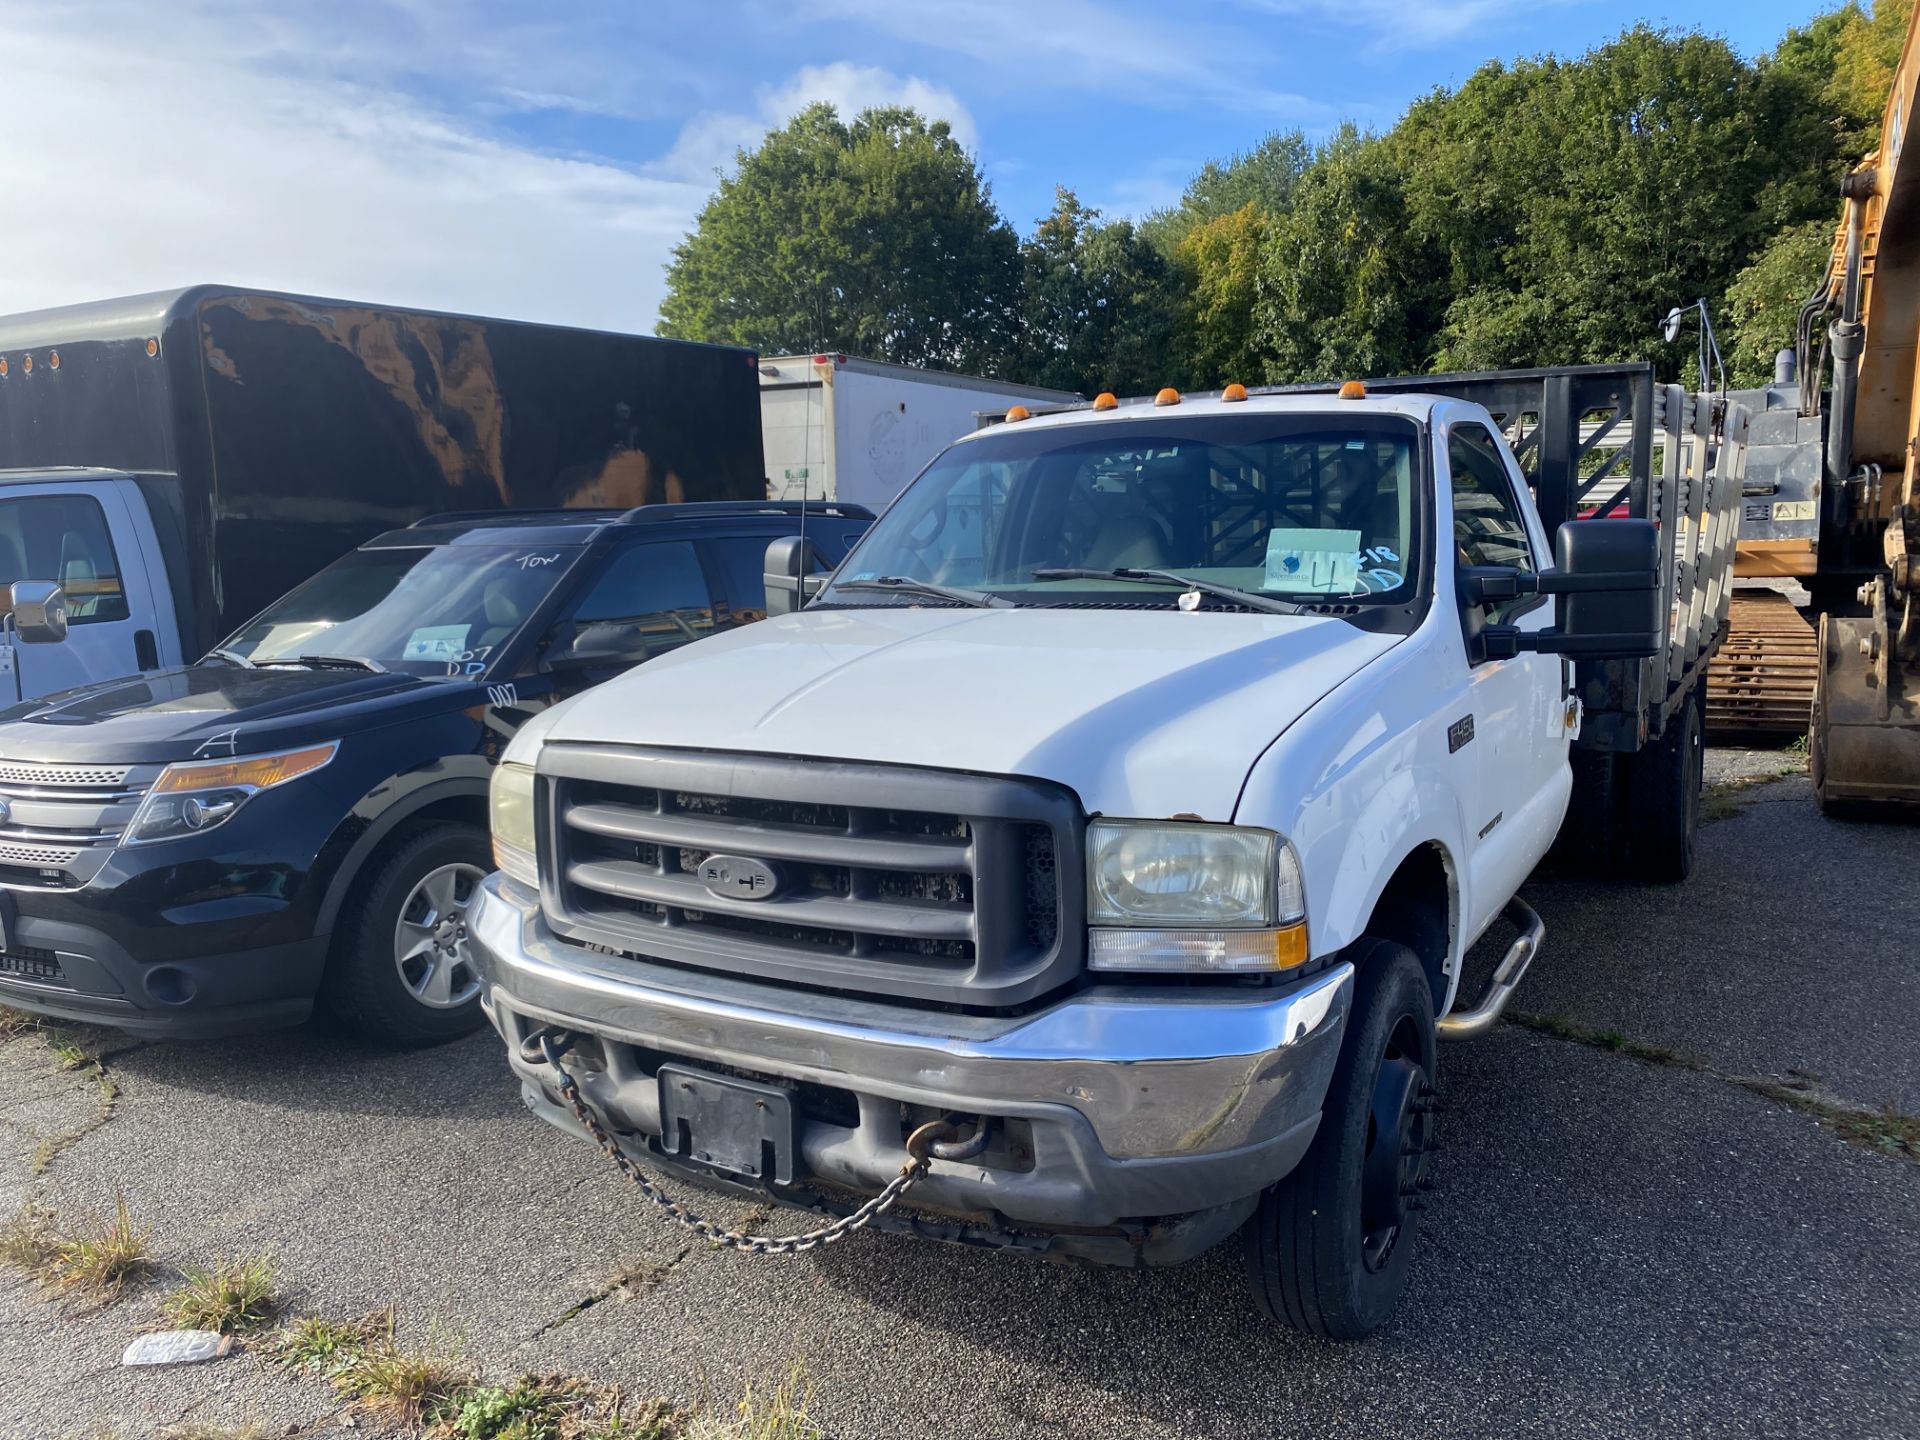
x=436, y=642
x=226, y=743
x=1325, y=561
x=535, y=562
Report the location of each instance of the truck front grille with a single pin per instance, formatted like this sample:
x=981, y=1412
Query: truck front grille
x=912, y=883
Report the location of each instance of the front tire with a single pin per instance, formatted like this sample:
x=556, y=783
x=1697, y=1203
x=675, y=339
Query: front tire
x=401, y=971
x=1329, y=1248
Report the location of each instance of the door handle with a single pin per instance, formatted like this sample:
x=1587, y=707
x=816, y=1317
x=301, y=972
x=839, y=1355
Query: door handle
x=146, y=650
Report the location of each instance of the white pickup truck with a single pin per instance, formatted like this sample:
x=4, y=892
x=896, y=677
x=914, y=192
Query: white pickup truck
x=1087, y=867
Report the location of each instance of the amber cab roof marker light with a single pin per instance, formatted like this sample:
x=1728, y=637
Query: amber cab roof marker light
x=1353, y=390
x=153, y=347
x=1018, y=412
x=1106, y=400
x=53, y=359
x=1168, y=396
x=26, y=364
x=1235, y=391
x=3, y=367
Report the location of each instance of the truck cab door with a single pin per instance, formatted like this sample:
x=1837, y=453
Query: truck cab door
x=1515, y=712
x=95, y=539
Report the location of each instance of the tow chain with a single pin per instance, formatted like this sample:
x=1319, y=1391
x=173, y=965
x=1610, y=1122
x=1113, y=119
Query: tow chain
x=552, y=1044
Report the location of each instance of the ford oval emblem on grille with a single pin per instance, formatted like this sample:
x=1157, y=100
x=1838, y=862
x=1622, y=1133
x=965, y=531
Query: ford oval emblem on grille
x=739, y=877
x=6, y=812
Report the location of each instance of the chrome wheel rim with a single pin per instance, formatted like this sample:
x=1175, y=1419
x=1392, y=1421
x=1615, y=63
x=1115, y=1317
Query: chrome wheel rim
x=430, y=940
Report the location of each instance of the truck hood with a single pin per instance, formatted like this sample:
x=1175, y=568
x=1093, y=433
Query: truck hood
x=1140, y=712
x=170, y=714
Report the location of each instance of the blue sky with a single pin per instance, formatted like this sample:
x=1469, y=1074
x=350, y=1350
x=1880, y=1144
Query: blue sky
x=504, y=159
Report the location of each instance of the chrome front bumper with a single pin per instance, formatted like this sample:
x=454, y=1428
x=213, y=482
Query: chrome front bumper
x=1142, y=1102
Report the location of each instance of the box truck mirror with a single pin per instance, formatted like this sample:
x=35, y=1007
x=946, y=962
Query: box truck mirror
x=791, y=574
x=39, y=612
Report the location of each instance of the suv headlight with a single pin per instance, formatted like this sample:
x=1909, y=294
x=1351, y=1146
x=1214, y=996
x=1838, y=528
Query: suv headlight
x=510, y=802
x=1186, y=896
x=198, y=795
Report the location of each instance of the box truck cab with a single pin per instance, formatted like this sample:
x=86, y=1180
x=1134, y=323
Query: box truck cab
x=1094, y=855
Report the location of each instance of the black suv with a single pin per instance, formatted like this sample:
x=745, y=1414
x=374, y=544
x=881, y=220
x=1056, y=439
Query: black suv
x=302, y=815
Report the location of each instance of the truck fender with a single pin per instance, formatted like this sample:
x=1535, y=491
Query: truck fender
x=397, y=813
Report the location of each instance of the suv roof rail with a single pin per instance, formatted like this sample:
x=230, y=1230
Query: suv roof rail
x=455, y=517
x=654, y=514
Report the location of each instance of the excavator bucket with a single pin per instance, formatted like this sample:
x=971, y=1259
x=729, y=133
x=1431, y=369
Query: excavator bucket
x=1865, y=738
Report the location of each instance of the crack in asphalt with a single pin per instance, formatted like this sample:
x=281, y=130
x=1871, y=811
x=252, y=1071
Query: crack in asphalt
x=1883, y=1131
x=635, y=1279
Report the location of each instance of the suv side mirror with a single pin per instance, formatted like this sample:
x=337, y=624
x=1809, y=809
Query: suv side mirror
x=39, y=612
x=791, y=573
x=1607, y=578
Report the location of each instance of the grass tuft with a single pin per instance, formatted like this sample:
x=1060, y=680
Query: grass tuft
x=250, y=1430
x=776, y=1414
x=234, y=1297
x=16, y=1022
x=27, y=1241
x=409, y=1386
x=100, y=1261
x=326, y=1347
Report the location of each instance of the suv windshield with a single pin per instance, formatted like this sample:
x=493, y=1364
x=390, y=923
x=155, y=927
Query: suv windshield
x=432, y=610
x=1295, y=507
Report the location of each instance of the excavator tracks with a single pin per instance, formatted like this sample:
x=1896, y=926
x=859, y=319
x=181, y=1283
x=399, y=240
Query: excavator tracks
x=1761, y=683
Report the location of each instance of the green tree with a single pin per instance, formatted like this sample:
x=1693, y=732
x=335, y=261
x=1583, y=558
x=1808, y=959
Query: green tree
x=877, y=237
x=1345, y=289
x=1763, y=302
x=1262, y=177
x=1217, y=270
x=1099, y=309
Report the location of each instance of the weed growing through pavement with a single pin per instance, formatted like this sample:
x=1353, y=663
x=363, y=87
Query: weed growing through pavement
x=16, y=1022
x=776, y=1414
x=234, y=1297
x=409, y=1386
x=320, y=1346
x=99, y=1260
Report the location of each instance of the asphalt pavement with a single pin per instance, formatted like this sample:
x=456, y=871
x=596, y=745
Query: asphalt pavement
x=1617, y=1248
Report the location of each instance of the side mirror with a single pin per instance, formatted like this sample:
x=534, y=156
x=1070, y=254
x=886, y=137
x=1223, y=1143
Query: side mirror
x=39, y=612
x=791, y=573
x=1608, y=583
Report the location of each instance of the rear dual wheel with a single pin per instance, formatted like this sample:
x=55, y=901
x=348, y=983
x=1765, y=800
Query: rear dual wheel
x=1329, y=1248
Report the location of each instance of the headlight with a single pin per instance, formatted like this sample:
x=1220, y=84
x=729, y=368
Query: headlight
x=510, y=801
x=191, y=798
x=1173, y=895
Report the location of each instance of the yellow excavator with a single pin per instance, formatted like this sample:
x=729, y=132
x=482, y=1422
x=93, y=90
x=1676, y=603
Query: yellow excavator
x=1831, y=500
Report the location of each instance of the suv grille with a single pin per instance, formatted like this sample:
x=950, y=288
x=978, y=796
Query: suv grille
x=912, y=883
x=55, y=813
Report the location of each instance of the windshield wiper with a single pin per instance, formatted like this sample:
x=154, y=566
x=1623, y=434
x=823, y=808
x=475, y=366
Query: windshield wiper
x=1252, y=599
x=902, y=585
x=331, y=662
x=232, y=657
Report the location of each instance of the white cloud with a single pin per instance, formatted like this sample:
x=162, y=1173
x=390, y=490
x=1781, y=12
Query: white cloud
x=707, y=143
x=1174, y=59
x=151, y=148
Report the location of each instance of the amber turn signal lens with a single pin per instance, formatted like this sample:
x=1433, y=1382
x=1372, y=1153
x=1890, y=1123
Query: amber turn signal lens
x=258, y=771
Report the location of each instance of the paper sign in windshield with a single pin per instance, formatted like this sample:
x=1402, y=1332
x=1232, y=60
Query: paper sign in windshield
x=436, y=642
x=1324, y=561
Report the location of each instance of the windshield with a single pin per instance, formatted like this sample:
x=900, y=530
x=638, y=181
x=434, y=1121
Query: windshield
x=438, y=610
x=1294, y=507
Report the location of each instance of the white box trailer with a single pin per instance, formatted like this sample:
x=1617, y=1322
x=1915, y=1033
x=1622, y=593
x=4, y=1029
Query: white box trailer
x=839, y=428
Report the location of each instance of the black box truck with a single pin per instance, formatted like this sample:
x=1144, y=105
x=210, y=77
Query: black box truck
x=176, y=461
